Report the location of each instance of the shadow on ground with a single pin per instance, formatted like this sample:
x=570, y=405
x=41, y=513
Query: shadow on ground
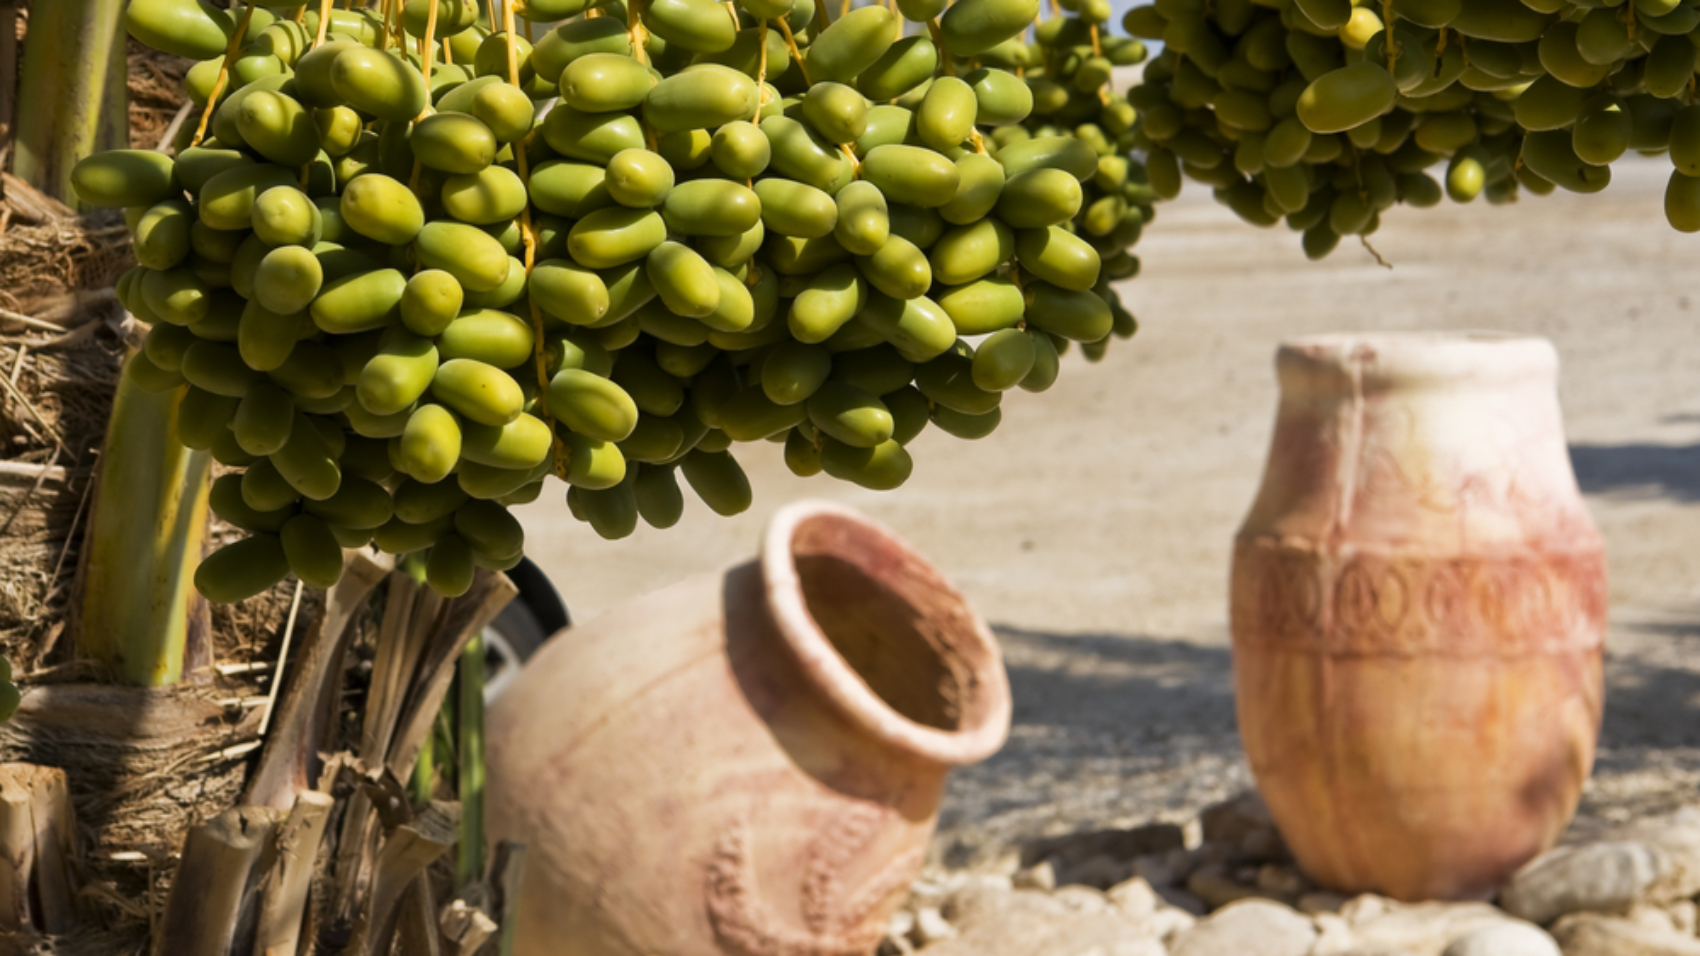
x=1639, y=470
x=1106, y=727
x=1121, y=729
x=1648, y=762
x=1121, y=683
x=1653, y=697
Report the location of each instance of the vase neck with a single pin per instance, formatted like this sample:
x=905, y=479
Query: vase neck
x=1420, y=441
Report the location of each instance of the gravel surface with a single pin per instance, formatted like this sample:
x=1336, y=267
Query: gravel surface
x=1093, y=529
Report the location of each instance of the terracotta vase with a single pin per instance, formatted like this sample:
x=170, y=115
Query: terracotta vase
x=1419, y=610
x=747, y=763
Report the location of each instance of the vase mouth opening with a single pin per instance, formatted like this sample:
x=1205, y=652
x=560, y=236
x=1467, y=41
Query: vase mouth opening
x=883, y=636
x=1418, y=358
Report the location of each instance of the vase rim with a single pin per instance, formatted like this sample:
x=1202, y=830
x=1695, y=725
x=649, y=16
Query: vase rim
x=986, y=706
x=1397, y=355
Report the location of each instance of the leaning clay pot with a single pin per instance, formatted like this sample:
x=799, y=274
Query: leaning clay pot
x=747, y=763
x=1419, y=610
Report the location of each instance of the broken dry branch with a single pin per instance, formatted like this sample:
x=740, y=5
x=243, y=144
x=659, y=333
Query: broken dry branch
x=288, y=887
x=406, y=853
x=465, y=928
x=23, y=469
x=416, y=924
x=37, y=850
x=419, y=641
x=30, y=204
x=31, y=322
x=507, y=868
x=407, y=615
x=214, y=899
x=459, y=621
x=290, y=764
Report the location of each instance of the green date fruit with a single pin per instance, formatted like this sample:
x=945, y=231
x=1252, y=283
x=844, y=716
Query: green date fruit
x=242, y=569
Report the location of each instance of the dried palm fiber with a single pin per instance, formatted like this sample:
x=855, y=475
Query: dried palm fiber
x=53, y=412
x=156, y=91
x=47, y=249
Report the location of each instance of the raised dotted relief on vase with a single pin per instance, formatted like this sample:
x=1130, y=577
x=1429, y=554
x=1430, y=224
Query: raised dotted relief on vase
x=836, y=919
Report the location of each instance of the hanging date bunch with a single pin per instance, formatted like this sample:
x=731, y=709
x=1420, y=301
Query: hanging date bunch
x=1326, y=113
x=407, y=267
x=1068, y=71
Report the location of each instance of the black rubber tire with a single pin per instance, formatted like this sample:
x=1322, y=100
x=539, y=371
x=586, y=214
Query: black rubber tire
x=521, y=628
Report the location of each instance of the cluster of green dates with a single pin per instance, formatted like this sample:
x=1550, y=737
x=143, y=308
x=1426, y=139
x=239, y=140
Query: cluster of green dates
x=1068, y=68
x=721, y=251
x=1306, y=110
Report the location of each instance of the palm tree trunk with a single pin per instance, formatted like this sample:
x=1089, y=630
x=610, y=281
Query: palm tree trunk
x=137, y=609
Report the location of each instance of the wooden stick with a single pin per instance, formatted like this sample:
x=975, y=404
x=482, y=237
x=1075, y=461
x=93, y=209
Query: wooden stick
x=30, y=321
x=282, y=656
x=407, y=852
x=290, y=765
x=465, y=928
x=20, y=469
x=463, y=618
x=214, y=898
x=37, y=850
x=507, y=870
x=416, y=925
x=52, y=432
x=243, y=703
x=174, y=128
x=70, y=536
x=24, y=501
x=290, y=883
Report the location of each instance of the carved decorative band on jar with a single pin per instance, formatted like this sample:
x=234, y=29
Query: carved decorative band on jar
x=1291, y=599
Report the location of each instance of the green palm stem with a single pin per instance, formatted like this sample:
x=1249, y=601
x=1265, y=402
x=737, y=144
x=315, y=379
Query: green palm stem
x=471, y=762
x=139, y=612
x=74, y=82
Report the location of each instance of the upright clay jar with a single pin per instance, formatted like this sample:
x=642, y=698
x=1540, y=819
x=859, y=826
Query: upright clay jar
x=1419, y=612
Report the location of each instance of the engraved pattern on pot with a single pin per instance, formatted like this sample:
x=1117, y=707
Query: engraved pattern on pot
x=1294, y=598
x=837, y=917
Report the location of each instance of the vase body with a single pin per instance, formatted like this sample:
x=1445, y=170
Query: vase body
x=749, y=763
x=1418, y=613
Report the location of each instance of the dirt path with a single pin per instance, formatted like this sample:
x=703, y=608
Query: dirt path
x=1093, y=528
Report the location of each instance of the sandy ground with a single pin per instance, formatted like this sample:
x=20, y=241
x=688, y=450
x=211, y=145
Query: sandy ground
x=1093, y=528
